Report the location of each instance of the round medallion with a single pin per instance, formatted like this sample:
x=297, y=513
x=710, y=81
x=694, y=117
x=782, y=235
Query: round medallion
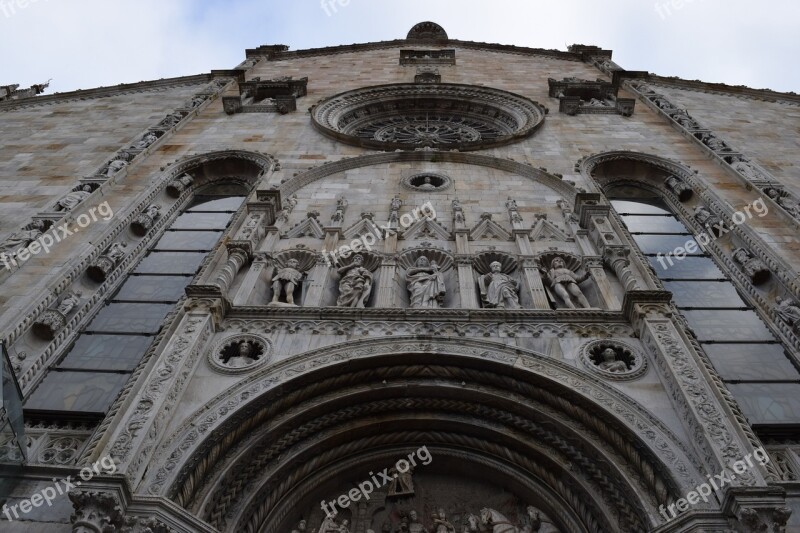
x=240, y=353
x=414, y=116
x=427, y=182
x=613, y=360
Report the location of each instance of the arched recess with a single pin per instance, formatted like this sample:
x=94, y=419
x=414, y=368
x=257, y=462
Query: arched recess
x=258, y=457
x=229, y=165
x=565, y=188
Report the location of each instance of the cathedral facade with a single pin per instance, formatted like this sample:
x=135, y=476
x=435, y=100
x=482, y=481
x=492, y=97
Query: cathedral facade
x=418, y=285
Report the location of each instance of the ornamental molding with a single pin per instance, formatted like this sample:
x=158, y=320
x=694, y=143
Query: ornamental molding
x=564, y=188
x=406, y=116
x=193, y=434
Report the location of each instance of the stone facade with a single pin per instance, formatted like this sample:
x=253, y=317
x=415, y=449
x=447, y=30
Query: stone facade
x=499, y=316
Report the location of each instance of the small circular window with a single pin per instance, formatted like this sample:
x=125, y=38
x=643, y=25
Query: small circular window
x=427, y=182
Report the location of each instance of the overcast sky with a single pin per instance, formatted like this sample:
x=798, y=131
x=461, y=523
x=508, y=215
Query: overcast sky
x=82, y=44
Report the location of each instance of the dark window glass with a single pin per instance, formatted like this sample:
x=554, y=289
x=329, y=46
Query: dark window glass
x=171, y=263
x=768, y=403
x=653, y=244
x=153, y=288
x=704, y=294
x=202, y=221
x=686, y=268
x=645, y=224
x=86, y=392
x=188, y=240
x=106, y=352
x=751, y=362
x=728, y=326
x=229, y=204
x=624, y=207
x=130, y=318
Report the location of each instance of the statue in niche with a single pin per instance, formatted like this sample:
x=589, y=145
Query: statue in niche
x=22, y=238
x=564, y=283
x=329, y=525
x=426, y=184
x=68, y=303
x=425, y=284
x=113, y=167
x=784, y=201
x=414, y=525
x=145, y=141
x=286, y=280
x=355, y=285
x=243, y=358
x=789, y=312
x=755, y=269
x=402, y=483
x=440, y=523
x=72, y=199
x=499, y=290
x=301, y=527
x=610, y=362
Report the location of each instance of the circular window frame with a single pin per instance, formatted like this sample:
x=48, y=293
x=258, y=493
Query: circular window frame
x=637, y=370
x=341, y=116
x=215, y=362
x=447, y=182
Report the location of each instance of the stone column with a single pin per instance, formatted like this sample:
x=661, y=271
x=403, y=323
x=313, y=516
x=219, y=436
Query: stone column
x=466, y=282
x=237, y=258
x=595, y=267
x=616, y=257
x=388, y=272
x=530, y=270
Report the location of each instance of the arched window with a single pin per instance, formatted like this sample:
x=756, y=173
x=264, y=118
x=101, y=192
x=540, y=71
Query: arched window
x=762, y=377
x=85, y=382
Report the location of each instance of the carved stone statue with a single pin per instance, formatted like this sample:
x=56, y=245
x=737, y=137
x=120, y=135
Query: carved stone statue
x=499, y=290
x=178, y=185
x=425, y=284
x=22, y=239
x=789, y=311
x=107, y=262
x=301, y=527
x=677, y=186
x=708, y=219
x=142, y=223
x=440, y=523
x=564, y=283
x=414, y=525
x=287, y=207
x=402, y=483
x=792, y=207
x=610, y=363
x=113, y=167
x=285, y=281
x=355, y=285
x=243, y=357
x=170, y=120
x=341, y=206
x=746, y=169
x=755, y=269
x=52, y=321
x=145, y=141
x=426, y=184
x=68, y=303
x=72, y=199
x=534, y=521
x=472, y=525
x=329, y=525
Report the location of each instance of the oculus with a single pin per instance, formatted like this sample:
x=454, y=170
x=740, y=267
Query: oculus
x=427, y=182
x=442, y=116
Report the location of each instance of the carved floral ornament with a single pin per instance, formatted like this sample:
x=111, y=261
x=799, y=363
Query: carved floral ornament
x=410, y=116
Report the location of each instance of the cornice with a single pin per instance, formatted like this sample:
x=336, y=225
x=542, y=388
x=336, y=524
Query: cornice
x=736, y=91
x=273, y=55
x=105, y=92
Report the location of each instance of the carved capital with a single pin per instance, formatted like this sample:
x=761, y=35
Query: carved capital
x=96, y=512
